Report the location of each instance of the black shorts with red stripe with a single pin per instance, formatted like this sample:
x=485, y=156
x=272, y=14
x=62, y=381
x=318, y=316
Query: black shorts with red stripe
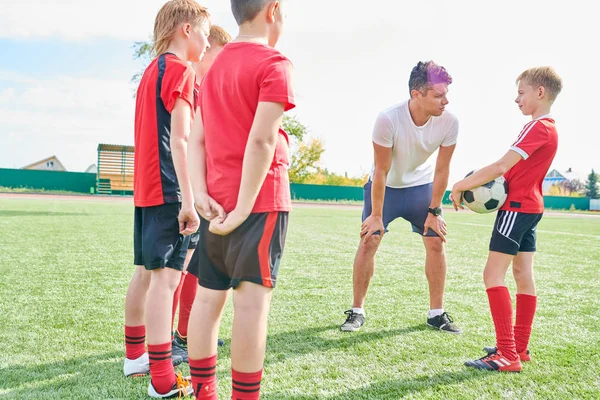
x=514, y=232
x=251, y=253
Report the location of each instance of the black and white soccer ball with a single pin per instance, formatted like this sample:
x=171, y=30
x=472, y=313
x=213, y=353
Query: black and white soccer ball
x=486, y=198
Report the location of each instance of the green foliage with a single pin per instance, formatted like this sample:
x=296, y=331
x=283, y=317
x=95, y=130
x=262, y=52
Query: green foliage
x=591, y=185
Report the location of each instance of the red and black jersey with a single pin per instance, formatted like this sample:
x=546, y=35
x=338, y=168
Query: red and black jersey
x=166, y=79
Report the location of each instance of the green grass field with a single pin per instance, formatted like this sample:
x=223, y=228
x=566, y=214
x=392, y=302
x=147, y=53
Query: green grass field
x=65, y=266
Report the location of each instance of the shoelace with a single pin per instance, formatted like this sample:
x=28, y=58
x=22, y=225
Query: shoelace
x=351, y=315
x=448, y=317
x=182, y=383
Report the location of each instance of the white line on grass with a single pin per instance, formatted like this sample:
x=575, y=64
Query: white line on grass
x=539, y=230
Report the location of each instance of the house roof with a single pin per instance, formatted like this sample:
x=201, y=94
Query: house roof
x=51, y=158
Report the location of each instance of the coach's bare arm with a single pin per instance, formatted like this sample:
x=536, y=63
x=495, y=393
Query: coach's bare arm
x=440, y=183
x=383, y=163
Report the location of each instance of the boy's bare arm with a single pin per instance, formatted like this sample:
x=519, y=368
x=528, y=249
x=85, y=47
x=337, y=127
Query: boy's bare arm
x=204, y=204
x=484, y=175
x=180, y=129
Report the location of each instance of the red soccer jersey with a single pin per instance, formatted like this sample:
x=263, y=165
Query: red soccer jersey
x=537, y=144
x=243, y=75
x=166, y=79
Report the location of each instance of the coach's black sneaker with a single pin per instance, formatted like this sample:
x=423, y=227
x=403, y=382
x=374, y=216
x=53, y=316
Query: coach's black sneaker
x=353, y=322
x=444, y=323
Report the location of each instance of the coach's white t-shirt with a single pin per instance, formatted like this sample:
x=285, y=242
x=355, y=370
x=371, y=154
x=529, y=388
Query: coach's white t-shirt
x=412, y=145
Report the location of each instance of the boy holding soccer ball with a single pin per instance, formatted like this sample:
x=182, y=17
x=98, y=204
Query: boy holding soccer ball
x=524, y=167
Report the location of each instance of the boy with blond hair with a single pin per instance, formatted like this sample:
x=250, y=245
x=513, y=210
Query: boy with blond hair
x=238, y=163
x=163, y=199
x=524, y=167
x=186, y=292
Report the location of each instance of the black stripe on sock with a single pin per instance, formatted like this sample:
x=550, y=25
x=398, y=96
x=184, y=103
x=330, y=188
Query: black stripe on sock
x=246, y=390
x=159, y=358
x=245, y=383
x=202, y=375
x=202, y=369
x=135, y=337
x=159, y=352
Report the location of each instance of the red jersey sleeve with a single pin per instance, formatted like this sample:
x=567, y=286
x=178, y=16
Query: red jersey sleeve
x=531, y=138
x=276, y=84
x=178, y=82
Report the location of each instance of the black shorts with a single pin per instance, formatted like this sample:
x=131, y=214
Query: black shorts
x=251, y=253
x=157, y=242
x=514, y=232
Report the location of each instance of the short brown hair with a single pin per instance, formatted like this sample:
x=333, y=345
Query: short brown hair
x=218, y=36
x=427, y=73
x=543, y=76
x=172, y=14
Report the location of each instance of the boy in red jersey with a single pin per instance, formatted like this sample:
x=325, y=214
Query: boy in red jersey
x=189, y=282
x=164, y=205
x=524, y=167
x=238, y=163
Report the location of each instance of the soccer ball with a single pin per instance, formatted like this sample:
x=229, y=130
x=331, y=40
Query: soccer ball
x=487, y=198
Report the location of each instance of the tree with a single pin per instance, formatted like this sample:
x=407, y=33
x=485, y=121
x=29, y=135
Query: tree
x=142, y=50
x=570, y=187
x=591, y=186
x=294, y=127
x=305, y=160
x=305, y=155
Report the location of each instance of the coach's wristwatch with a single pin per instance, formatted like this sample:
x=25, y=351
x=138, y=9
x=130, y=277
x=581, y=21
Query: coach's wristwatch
x=435, y=211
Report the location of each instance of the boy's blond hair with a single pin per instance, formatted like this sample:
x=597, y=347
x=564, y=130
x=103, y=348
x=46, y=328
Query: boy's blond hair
x=218, y=36
x=543, y=76
x=172, y=14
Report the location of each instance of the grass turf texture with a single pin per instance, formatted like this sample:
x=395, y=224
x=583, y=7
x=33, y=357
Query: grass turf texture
x=65, y=267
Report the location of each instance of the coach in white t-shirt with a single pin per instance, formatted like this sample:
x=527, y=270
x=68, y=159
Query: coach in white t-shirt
x=403, y=185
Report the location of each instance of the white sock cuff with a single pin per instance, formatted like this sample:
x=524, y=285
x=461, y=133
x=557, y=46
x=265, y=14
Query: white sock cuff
x=357, y=310
x=435, y=312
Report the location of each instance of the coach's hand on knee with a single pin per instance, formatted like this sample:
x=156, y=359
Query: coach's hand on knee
x=436, y=224
x=372, y=224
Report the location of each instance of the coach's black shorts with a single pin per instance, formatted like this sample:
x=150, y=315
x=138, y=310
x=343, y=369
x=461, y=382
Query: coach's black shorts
x=250, y=253
x=514, y=232
x=157, y=242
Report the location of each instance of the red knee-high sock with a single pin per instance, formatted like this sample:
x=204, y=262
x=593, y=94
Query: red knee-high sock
x=204, y=378
x=246, y=386
x=176, y=298
x=188, y=294
x=162, y=372
x=526, y=305
x=135, y=341
x=501, y=308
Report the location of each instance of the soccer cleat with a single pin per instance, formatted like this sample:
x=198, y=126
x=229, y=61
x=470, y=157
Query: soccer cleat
x=182, y=341
x=495, y=362
x=178, y=353
x=444, y=323
x=138, y=367
x=181, y=388
x=353, y=322
x=523, y=356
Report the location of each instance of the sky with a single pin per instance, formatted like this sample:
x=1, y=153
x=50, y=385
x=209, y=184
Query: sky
x=65, y=70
